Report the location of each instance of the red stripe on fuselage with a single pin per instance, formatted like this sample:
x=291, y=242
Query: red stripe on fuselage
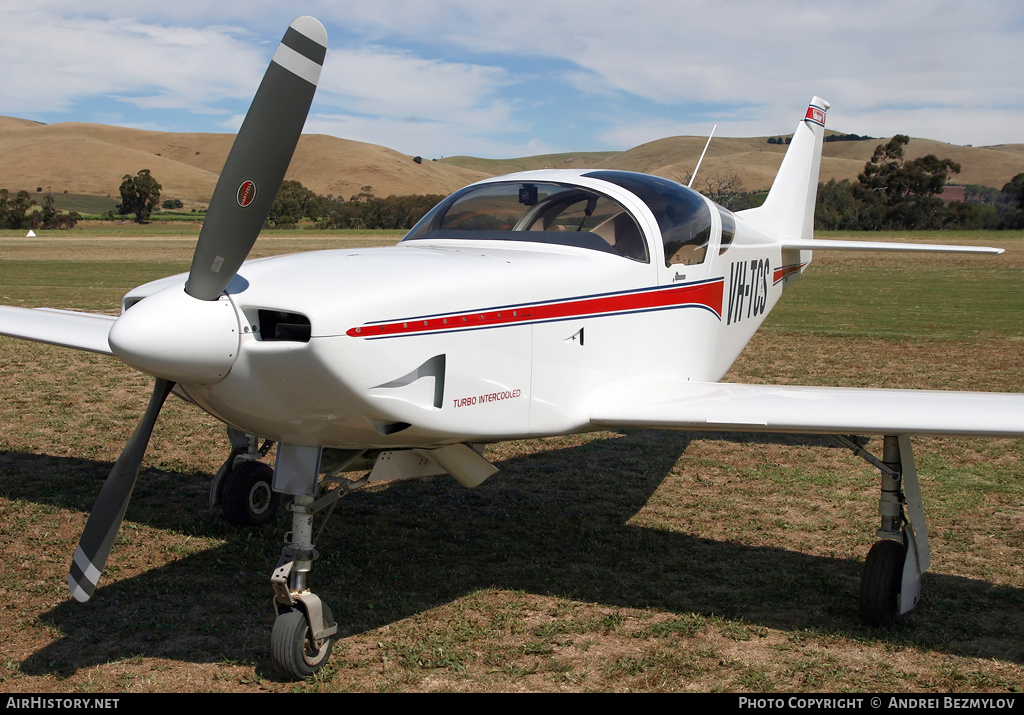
x=786, y=271
x=700, y=295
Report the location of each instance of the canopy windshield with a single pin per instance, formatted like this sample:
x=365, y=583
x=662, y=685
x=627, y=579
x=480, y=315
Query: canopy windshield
x=538, y=212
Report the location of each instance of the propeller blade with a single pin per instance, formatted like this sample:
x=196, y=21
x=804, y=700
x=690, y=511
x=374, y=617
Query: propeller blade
x=259, y=159
x=105, y=520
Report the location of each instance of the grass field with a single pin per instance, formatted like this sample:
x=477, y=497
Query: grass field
x=615, y=561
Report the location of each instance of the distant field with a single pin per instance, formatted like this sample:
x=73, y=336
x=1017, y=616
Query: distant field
x=82, y=203
x=87, y=270
x=616, y=561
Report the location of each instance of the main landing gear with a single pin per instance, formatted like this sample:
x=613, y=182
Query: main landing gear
x=891, y=581
x=243, y=488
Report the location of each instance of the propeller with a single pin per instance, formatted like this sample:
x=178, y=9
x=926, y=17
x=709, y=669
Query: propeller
x=108, y=513
x=177, y=338
x=258, y=160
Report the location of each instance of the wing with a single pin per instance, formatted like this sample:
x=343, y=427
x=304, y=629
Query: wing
x=814, y=410
x=83, y=331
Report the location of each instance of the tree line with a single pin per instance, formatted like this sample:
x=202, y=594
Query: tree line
x=364, y=210
x=828, y=139
x=893, y=193
x=17, y=212
x=294, y=203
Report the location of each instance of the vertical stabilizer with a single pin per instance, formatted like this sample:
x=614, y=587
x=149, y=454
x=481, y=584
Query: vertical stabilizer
x=788, y=212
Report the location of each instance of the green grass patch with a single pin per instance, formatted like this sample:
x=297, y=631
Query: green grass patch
x=897, y=302
x=90, y=286
x=82, y=203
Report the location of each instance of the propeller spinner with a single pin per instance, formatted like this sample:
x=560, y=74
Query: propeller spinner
x=192, y=336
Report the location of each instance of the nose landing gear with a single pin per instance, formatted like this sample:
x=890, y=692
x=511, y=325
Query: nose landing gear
x=303, y=634
x=304, y=631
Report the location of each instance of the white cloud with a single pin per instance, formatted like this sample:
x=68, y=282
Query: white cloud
x=413, y=104
x=574, y=75
x=870, y=55
x=61, y=60
x=378, y=81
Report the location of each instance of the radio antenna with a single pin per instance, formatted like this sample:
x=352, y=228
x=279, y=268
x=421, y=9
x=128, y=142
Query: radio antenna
x=694, y=175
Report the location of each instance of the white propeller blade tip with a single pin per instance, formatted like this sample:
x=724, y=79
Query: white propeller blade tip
x=311, y=28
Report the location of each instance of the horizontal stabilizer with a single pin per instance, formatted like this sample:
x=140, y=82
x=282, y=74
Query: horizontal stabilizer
x=729, y=407
x=69, y=329
x=817, y=244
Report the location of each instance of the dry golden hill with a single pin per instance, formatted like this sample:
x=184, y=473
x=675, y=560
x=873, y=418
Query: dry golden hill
x=756, y=162
x=92, y=158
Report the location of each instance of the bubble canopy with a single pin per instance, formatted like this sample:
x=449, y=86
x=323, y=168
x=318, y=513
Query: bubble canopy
x=554, y=212
x=682, y=214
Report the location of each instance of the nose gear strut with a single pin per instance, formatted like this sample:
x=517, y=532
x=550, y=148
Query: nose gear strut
x=305, y=630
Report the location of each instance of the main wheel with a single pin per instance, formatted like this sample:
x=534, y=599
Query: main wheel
x=294, y=652
x=881, y=583
x=247, y=497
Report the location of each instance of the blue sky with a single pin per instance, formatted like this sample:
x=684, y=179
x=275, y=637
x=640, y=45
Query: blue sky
x=509, y=79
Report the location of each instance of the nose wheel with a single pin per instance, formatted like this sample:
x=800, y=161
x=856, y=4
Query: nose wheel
x=295, y=648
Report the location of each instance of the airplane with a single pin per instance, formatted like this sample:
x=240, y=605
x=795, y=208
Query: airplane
x=536, y=304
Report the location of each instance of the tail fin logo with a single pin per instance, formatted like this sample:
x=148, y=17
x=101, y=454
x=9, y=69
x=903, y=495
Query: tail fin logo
x=816, y=115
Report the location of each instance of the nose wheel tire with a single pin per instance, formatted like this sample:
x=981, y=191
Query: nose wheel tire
x=247, y=497
x=295, y=653
x=881, y=583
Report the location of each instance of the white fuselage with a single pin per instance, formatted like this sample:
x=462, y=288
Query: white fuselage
x=523, y=336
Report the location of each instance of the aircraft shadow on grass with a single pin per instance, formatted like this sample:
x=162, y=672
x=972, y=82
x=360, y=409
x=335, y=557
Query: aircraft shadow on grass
x=539, y=527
